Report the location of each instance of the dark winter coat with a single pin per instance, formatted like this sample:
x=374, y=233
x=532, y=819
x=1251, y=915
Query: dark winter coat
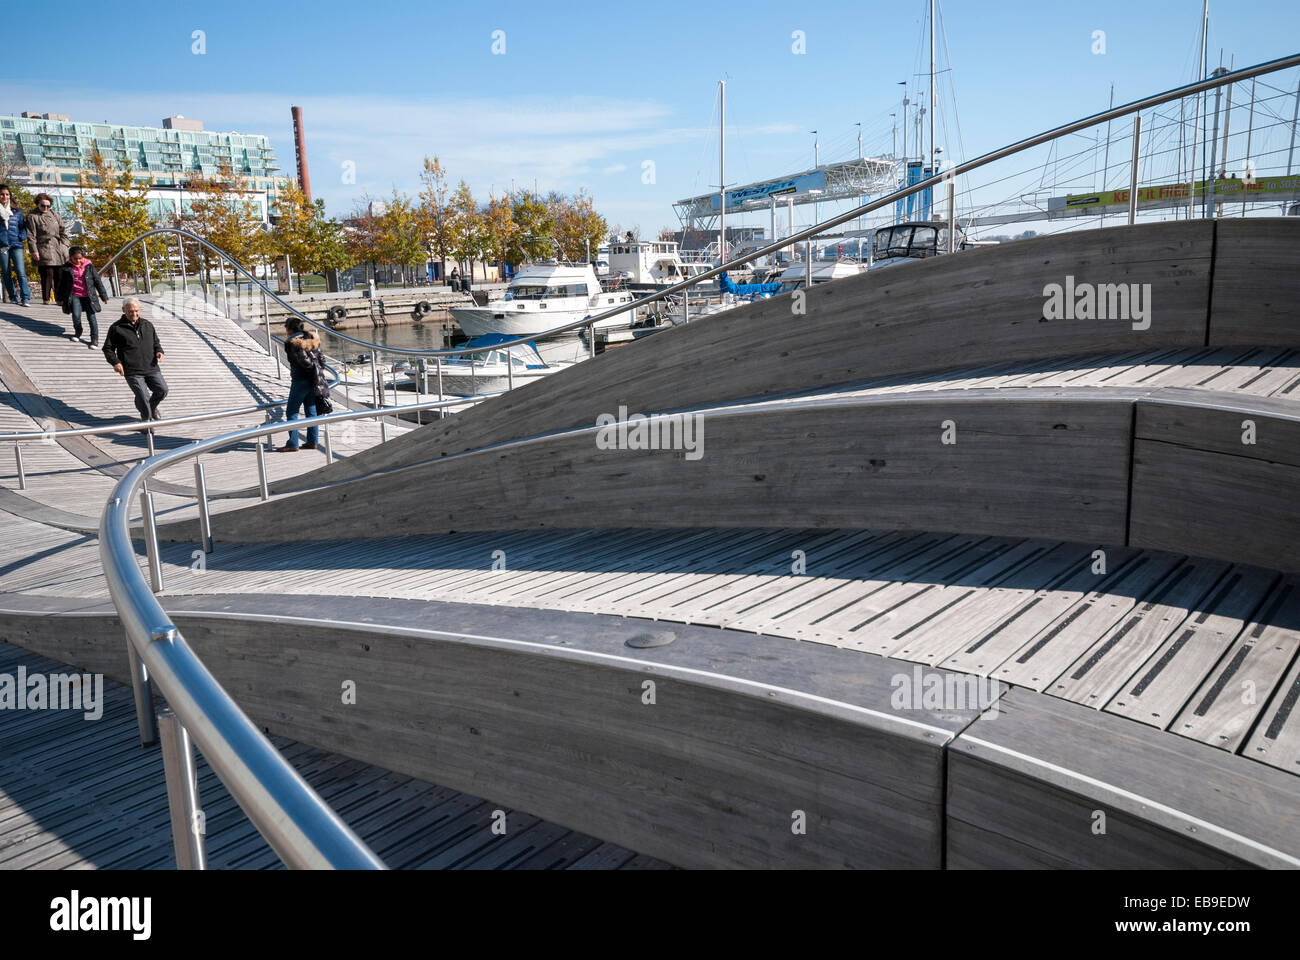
x=94, y=288
x=13, y=233
x=302, y=350
x=134, y=345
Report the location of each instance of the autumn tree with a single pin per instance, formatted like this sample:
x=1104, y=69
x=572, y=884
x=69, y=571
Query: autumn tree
x=222, y=211
x=534, y=236
x=436, y=212
x=363, y=236
x=498, y=227
x=579, y=229
x=469, y=240
x=402, y=241
x=113, y=210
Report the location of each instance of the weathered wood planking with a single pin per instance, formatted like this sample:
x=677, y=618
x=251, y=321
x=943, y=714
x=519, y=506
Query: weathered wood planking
x=1256, y=285
x=877, y=324
x=1029, y=786
x=1160, y=688
x=1228, y=703
x=81, y=794
x=1051, y=465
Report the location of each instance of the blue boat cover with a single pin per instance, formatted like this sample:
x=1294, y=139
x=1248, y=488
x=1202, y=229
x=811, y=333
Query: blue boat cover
x=745, y=289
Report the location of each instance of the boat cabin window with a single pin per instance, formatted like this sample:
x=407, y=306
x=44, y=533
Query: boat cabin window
x=531, y=292
x=908, y=240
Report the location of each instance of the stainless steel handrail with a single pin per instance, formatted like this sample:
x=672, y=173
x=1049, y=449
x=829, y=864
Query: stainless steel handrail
x=1200, y=86
x=302, y=829
x=134, y=426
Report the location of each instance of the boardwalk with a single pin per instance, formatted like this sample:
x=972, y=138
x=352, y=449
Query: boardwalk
x=80, y=794
x=1106, y=657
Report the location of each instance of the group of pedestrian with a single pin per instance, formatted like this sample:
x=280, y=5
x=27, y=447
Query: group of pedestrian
x=42, y=231
x=131, y=346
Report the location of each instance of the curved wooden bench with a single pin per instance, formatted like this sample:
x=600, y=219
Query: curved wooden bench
x=1211, y=283
x=1118, y=466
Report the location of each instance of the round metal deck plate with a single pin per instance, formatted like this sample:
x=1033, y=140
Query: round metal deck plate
x=660, y=638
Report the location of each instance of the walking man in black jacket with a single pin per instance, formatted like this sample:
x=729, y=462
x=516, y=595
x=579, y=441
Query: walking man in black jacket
x=133, y=348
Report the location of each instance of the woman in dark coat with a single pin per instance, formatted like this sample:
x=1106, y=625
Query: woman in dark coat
x=307, y=368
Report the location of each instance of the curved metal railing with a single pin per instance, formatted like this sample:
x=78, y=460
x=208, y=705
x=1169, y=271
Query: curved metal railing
x=302, y=829
x=296, y=822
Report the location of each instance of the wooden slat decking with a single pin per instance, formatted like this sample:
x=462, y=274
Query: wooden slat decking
x=81, y=794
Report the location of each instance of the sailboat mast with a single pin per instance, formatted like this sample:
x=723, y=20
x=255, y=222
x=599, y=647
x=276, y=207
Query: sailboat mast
x=934, y=97
x=1196, y=123
x=722, y=172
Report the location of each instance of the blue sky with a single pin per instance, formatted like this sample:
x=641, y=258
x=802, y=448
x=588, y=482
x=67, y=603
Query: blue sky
x=585, y=94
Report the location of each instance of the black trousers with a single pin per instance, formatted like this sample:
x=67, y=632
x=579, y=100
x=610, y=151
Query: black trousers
x=150, y=389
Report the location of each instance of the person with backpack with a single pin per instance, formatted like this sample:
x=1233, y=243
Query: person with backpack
x=307, y=369
x=79, y=289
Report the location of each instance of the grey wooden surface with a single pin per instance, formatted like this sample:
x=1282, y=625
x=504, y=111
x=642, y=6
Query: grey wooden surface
x=1049, y=783
x=884, y=324
x=81, y=794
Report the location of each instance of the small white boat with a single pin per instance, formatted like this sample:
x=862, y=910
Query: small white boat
x=650, y=264
x=795, y=276
x=492, y=370
x=543, y=296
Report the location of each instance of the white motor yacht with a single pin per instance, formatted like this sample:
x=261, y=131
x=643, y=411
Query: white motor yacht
x=650, y=264
x=542, y=296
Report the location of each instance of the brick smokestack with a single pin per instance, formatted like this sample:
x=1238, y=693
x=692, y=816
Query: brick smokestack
x=300, y=148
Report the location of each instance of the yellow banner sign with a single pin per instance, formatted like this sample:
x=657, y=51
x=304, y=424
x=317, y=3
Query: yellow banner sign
x=1231, y=188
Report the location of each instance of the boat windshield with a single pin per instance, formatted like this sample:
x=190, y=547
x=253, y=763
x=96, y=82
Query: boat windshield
x=908, y=240
x=540, y=292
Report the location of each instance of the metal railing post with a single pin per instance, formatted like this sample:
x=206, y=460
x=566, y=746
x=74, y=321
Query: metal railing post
x=261, y=468
x=185, y=285
x=148, y=434
x=18, y=460
x=438, y=363
x=686, y=309
x=148, y=269
x=187, y=820
x=510, y=369
x=225, y=297
x=143, y=695
x=270, y=347
x=151, y=540
x=952, y=215
x=329, y=450
x=1133, y=172
x=117, y=283
x=201, y=494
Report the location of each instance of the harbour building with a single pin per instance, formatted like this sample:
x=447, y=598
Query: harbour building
x=45, y=152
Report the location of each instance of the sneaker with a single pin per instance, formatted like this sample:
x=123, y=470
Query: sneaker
x=25, y=303
x=94, y=344
x=286, y=449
